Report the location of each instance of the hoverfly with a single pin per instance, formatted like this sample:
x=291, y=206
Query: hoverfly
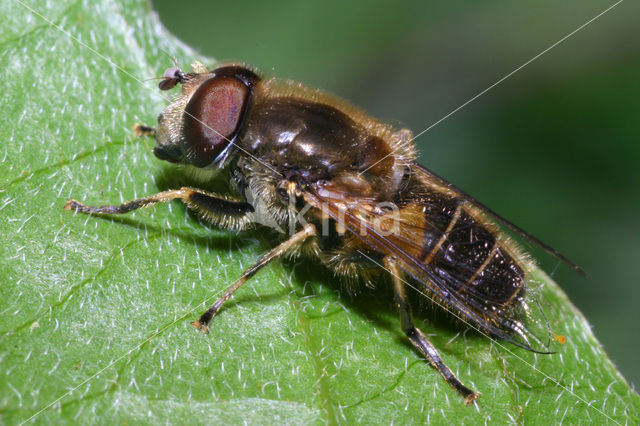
x=350, y=191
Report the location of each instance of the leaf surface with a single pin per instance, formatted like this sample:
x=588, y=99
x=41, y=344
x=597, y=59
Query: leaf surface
x=96, y=312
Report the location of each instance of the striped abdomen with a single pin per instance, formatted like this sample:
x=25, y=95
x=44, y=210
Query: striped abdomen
x=466, y=252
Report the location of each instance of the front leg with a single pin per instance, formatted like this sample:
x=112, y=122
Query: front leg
x=141, y=130
x=227, y=214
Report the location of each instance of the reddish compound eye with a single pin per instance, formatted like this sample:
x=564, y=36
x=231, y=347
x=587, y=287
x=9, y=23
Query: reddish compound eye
x=212, y=117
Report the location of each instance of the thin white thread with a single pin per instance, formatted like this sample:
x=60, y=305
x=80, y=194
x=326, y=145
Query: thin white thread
x=499, y=81
x=121, y=357
x=446, y=308
x=141, y=82
x=162, y=329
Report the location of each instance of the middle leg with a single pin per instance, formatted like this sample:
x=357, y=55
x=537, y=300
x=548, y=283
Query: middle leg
x=295, y=241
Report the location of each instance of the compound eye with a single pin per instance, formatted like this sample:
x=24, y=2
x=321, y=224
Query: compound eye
x=212, y=118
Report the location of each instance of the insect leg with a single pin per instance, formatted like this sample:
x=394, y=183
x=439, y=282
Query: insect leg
x=208, y=205
x=142, y=130
x=416, y=336
x=293, y=242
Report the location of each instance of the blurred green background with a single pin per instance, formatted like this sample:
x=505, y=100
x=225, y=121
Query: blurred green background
x=555, y=148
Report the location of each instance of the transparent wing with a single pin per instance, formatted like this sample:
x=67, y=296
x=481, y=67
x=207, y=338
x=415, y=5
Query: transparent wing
x=456, y=258
x=512, y=227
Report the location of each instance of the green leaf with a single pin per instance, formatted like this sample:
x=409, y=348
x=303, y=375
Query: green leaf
x=96, y=311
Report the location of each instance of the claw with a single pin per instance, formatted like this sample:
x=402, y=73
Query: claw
x=201, y=326
x=72, y=205
x=470, y=399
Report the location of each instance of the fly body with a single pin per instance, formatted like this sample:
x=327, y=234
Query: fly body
x=347, y=190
